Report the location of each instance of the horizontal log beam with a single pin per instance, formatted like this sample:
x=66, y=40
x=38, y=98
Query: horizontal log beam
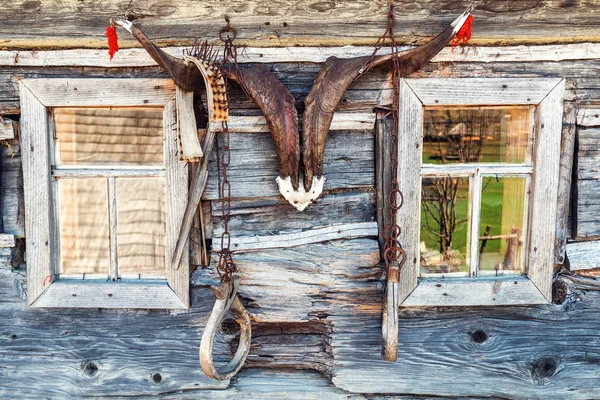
x=136, y=57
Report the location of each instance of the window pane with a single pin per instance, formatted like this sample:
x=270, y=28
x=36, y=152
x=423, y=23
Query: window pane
x=103, y=136
x=141, y=226
x=444, y=225
x=475, y=134
x=83, y=220
x=502, y=220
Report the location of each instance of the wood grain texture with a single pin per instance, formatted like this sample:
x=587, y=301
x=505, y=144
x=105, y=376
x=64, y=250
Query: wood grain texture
x=583, y=255
x=7, y=240
x=508, y=352
x=291, y=284
x=316, y=235
x=273, y=215
x=7, y=128
x=409, y=157
x=136, y=57
x=509, y=91
x=567, y=149
x=42, y=25
x=36, y=177
x=177, y=197
x=542, y=216
x=349, y=163
x=64, y=92
x=470, y=292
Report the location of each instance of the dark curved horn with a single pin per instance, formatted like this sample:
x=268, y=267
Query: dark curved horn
x=278, y=107
x=185, y=75
x=337, y=75
x=273, y=98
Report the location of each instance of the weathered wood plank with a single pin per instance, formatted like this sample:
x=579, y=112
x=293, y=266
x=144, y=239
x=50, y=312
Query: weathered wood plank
x=293, y=23
x=273, y=215
x=136, y=57
x=316, y=235
x=290, y=284
x=583, y=255
x=7, y=128
x=567, y=149
x=475, y=345
x=7, y=240
x=349, y=163
x=36, y=170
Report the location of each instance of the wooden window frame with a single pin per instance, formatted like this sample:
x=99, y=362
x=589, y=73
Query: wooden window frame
x=38, y=97
x=534, y=288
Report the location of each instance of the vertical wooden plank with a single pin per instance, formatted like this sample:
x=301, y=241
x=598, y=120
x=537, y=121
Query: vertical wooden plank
x=177, y=193
x=410, y=145
x=545, y=190
x=189, y=143
x=36, y=173
x=383, y=177
x=564, y=183
x=112, y=221
x=474, y=217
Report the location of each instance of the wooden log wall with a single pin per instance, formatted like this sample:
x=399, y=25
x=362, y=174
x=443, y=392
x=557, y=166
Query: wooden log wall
x=315, y=303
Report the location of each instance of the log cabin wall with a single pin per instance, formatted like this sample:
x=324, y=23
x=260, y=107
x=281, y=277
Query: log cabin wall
x=315, y=305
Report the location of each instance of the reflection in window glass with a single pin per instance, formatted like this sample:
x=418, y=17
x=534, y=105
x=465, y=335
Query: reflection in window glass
x=83, y=220
x=476, y=135
x=141, y=226
x=444, y=225
x=109, y=136
x=501, y=227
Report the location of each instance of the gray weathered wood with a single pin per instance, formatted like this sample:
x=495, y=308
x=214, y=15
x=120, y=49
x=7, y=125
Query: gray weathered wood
x=545, y=190
x=177, y=193
x=36, y=177
x=583, y=255
x=564, y=184
x=11, y=189
x=273, y=215
x=136, y=57
x=349, y=163
x=74, y=92
x=409, y=157
x=288, y=23
x=315, y=235
x=475, y=292
x=7, y=240
x=7, y=128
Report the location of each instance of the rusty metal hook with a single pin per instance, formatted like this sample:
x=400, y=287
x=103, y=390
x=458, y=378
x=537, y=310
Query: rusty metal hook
x=227, y=299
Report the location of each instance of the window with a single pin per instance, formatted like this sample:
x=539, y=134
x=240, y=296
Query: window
x=484, y=177
x=104, y=193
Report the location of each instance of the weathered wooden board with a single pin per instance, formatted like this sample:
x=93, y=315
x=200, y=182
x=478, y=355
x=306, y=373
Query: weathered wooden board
x=7, y=128
x=349, y=163
x=137, y=57
x=295, y=23
x=505, y=352
x=584, y=255
x=291, y=284
x=273, y=215
x=11, y=189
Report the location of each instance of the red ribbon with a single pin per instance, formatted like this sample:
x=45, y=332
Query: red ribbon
x=113, y=43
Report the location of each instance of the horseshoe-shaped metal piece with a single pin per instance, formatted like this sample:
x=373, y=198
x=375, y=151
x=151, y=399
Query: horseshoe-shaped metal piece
x=227, y=300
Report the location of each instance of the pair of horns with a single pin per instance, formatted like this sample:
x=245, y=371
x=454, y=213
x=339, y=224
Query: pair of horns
x=278, y=104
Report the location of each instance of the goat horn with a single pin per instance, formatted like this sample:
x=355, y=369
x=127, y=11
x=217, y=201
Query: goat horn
x=337, y=75
x=185, y=75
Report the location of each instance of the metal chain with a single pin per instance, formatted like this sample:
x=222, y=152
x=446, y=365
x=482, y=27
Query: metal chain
x=394, y=255
x=225, y=266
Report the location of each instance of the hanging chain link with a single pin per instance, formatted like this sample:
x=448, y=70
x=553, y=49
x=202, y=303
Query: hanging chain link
x=225, y=266
x=394, y=255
